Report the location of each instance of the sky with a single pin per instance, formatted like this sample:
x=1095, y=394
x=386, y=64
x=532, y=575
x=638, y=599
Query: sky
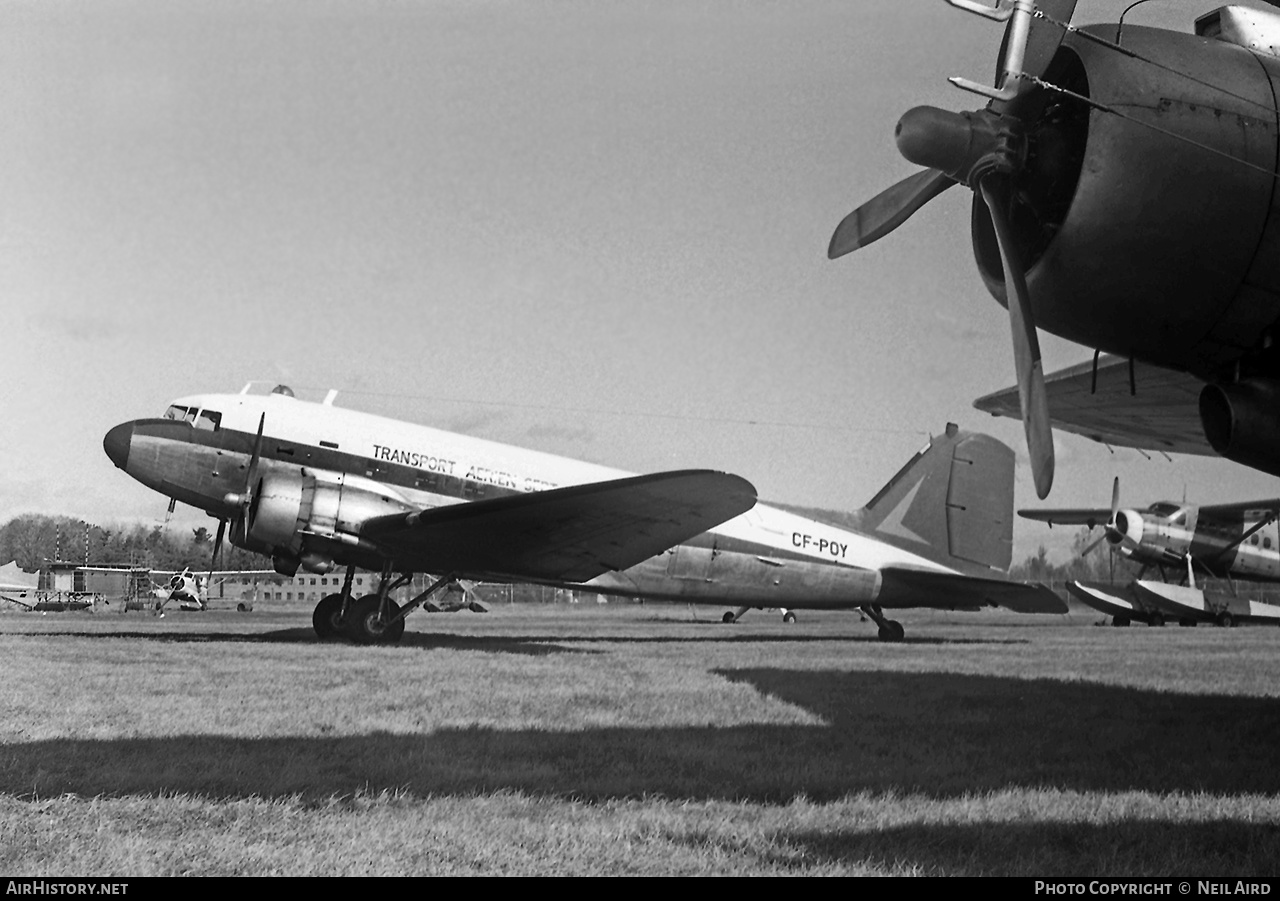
x=589, y=227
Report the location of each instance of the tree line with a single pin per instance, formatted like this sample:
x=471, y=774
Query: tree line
x=34, y=540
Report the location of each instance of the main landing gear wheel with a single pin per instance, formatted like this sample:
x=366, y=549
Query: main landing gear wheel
x=788, y=617
x=326, y=619
x=892, y=631
x=365, y=624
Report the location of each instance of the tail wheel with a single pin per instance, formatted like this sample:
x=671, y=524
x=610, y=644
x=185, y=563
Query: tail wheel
x=326, y=619
x=1226, y=620
x=366, y=625
x=788, y=617
x=728, y=617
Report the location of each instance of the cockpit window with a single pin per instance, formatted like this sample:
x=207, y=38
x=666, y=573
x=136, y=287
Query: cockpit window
x=209, y=420
x=1163, y=509
x=176, y=412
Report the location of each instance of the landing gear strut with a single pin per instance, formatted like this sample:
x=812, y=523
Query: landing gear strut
x=890, y=630
x=330, y=613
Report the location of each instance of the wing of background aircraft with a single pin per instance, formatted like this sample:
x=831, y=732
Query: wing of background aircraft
x=566, y=534
x=1069, y=516
x=1234, y=512
x=1160, y=413
x=967, y=592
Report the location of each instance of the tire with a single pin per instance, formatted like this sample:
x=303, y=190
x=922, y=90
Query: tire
x=325, y=620
x=728, y=617
x=892, y=631
x=365, y=626
x=1226, y=620
x=788, y=617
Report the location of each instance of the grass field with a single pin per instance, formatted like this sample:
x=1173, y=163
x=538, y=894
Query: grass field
x=637, y=740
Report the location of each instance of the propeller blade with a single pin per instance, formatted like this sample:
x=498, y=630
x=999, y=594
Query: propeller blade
x=1115, y=502
x=886, y=211
x=217, y=548
x=257, y=455
x=1037, y=46
x=1032, y=398
x=1093, y=544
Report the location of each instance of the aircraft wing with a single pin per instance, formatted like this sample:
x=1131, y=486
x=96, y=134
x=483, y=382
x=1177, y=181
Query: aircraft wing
x=1065, y=516
x=1235, y=512
x=901, y=587
x=1163, y=413
x=566, y=534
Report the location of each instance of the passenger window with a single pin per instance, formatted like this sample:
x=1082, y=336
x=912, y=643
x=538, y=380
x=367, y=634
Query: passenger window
x=1266, y=544
x=1253, y=540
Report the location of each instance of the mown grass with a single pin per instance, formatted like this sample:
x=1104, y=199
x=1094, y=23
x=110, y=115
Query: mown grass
x=637, y=740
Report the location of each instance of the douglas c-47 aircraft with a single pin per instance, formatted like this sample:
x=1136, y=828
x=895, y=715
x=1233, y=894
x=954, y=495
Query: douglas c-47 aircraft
x=318, y=487
x=1226, y=541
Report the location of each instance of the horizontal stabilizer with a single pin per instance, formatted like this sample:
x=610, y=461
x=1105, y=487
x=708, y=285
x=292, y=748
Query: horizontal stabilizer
x=947, y=591
x=566, y=534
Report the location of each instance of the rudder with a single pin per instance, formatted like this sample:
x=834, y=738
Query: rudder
x=952, y=502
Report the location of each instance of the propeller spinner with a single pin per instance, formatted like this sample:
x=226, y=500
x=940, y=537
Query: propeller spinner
x=987, y=151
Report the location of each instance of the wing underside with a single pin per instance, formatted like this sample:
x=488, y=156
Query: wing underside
x=567, y=534
x=1158, y=410
x=948, y=591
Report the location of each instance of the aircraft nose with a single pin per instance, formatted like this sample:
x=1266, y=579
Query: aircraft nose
x=117, y=442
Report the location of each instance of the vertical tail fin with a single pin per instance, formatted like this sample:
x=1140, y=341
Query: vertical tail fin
x=952, y=502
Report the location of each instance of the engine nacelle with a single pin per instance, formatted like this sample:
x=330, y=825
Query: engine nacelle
x=288, y=509
x=1130, y=525
x=1241, y=423
x=1149, y=228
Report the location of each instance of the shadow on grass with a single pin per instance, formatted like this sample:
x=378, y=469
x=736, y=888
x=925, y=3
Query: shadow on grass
x=935, y=734
x=1136, y=847
x=531, y=646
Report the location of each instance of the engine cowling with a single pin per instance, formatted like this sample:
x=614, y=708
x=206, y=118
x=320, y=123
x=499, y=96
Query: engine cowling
x=1129, y=525
x=289, y=510
x=1240, y=422
x=1149, y=228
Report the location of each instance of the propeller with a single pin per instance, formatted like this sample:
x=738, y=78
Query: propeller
x=217, y=549
x=1110, y=528
x=246, y=498
x=992, y=151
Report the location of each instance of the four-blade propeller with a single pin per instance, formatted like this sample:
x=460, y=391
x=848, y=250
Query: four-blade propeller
x=986, y=150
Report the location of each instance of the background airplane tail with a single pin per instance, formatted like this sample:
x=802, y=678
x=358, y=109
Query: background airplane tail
x=952, y=502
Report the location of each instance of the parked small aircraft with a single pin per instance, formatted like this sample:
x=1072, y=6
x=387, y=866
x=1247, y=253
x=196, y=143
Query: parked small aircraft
x=316, y=486
x=1124, y=180
x=1225, y=541
x=18, y=586
x=191, y=590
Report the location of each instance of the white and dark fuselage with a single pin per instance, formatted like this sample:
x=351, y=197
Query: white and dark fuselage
x=1243, y=545
x=369, y=466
